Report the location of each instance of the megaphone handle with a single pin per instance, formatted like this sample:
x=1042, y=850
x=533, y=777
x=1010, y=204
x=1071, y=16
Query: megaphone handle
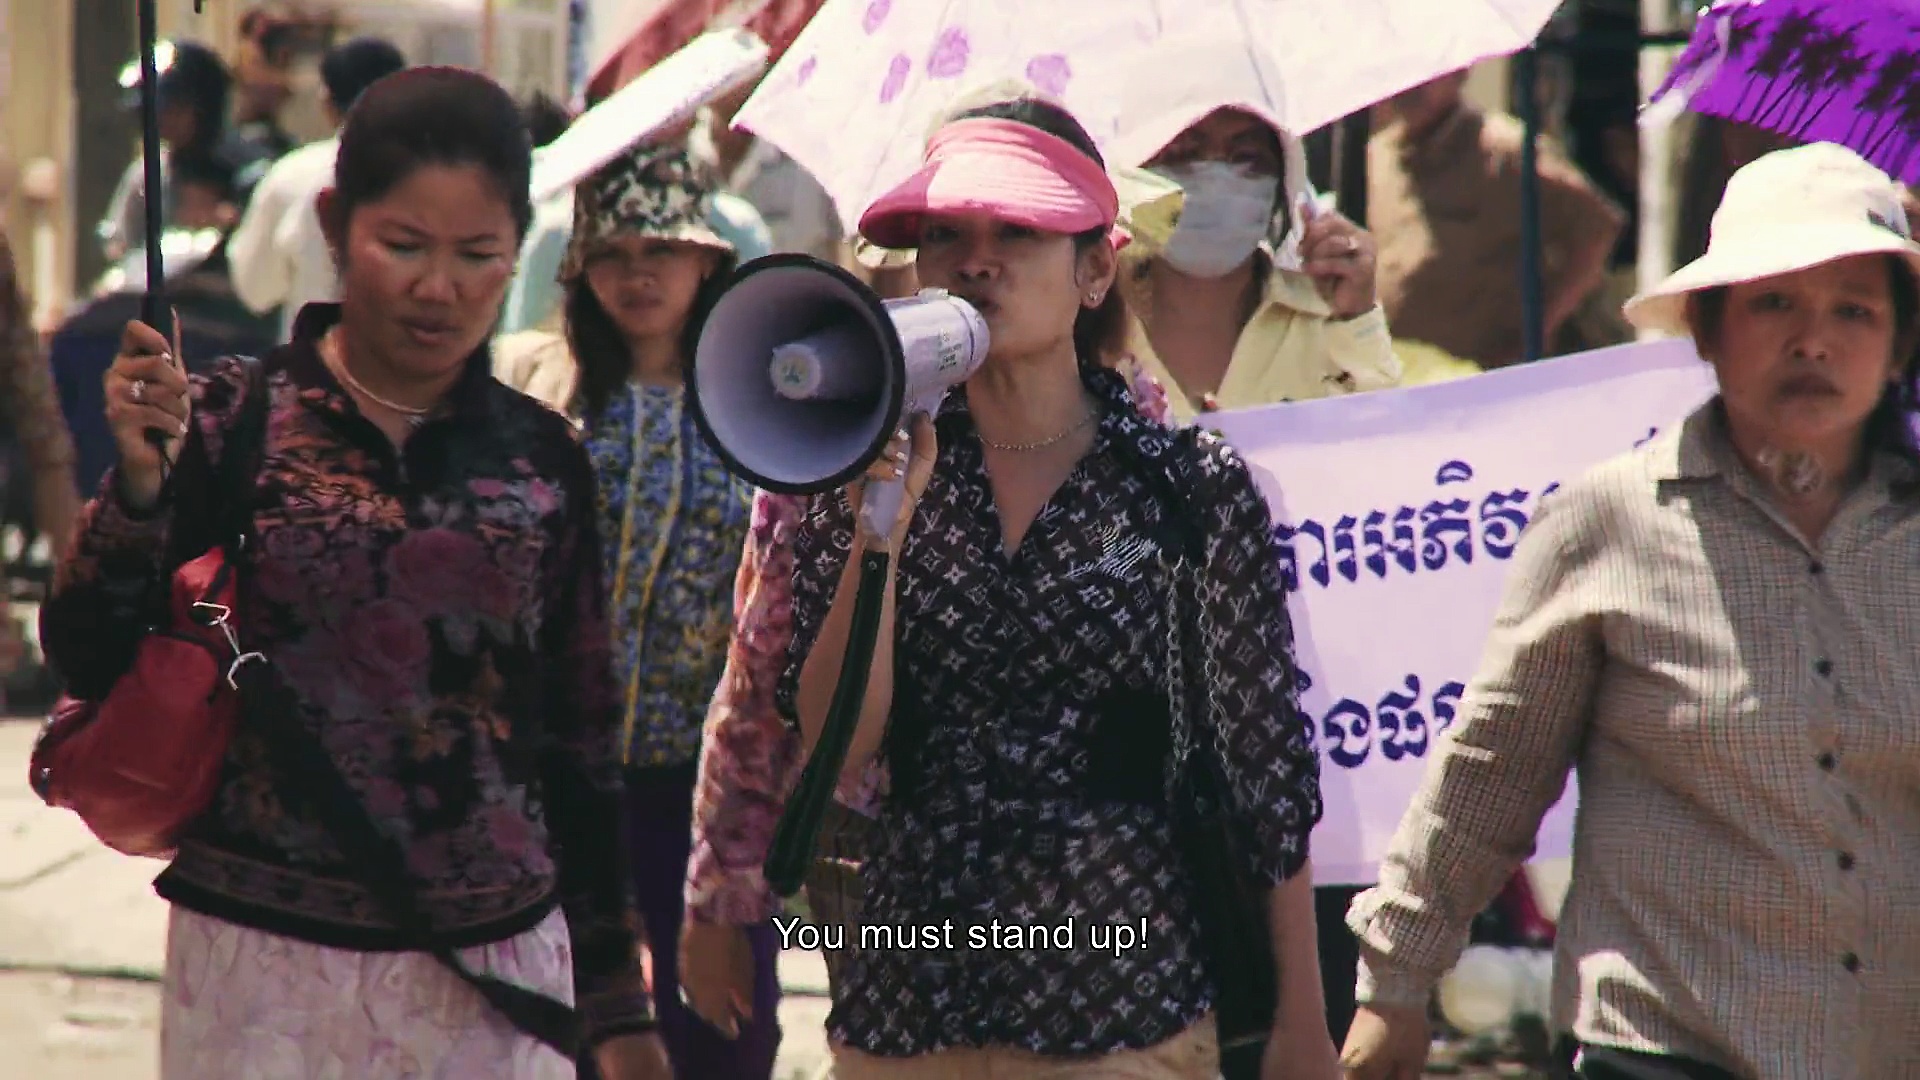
x=791, y=853
x=880, y=507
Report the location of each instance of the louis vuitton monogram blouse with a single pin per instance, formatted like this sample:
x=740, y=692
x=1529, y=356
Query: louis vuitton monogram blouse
x=1028, y=746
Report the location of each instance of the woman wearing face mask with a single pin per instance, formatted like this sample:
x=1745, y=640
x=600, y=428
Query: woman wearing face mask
x=642, y=263
x=1223, y=322
x=1223, y=325
x=1020, y=677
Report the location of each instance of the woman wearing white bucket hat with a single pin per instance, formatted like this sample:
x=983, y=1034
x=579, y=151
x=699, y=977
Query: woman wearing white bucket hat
x=1717, y=631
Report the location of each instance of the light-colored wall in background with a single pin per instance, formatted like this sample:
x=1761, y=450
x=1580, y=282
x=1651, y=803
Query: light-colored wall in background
x=529, y=36
x=36, y=111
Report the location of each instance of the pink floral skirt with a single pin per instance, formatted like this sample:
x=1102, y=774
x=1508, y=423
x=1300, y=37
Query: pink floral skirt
x=243, y=1004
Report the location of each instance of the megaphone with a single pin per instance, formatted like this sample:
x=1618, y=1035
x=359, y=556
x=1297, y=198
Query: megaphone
x=802, y=374
x=800, y=377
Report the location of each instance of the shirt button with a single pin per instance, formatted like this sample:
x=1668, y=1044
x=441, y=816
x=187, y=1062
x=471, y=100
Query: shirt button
x=1845, y=860
x=1850, y=962
x=1823, y=667
x=1826, y=761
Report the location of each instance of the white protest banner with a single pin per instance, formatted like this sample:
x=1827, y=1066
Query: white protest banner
x=1398, y=512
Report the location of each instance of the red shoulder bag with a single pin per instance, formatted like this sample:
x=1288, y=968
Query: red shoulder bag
x=142, y=764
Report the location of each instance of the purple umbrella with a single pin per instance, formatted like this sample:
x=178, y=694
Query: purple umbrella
x=1815, y=70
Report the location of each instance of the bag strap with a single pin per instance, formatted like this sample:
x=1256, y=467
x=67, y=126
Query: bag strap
x=202, y=490
x=1197, y=786
x=1189, y=689
x=241, y=455
x=307, y=771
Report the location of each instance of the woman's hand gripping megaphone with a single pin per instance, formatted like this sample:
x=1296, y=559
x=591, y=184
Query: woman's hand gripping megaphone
x=896, y=479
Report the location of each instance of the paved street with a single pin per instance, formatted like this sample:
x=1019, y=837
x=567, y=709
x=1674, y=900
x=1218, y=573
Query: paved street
x=71, y=911
x=82, y=938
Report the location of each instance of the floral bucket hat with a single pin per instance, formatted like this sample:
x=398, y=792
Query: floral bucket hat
x=656, y=192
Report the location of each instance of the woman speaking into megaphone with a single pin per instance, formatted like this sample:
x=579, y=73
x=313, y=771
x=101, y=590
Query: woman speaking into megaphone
x=1028, y=893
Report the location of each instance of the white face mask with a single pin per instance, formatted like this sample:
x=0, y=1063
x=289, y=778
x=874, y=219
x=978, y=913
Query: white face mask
x=1224, y=216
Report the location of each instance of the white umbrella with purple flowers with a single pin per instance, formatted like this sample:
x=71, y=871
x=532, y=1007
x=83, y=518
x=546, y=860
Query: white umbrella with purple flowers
x=851, y=99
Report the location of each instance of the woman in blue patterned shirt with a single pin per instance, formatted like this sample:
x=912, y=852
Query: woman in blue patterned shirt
x=642, y=262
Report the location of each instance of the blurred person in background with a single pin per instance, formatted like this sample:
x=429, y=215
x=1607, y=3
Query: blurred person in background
x=213, y=322
x=31, y=412
x=278, y=255
x=546, y=118
x=799, y=213
x=533, y=300
x=1247, y=304
x=1443, y=195
x=204, y=191
x=263, y=84
x=36, y=451
x=643, y=264
x=195, y=89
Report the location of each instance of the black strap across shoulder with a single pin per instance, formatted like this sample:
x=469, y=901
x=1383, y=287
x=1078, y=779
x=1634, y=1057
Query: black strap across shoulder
x=307, y=772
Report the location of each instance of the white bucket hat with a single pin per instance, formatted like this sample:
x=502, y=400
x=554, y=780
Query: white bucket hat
x=1786, y=211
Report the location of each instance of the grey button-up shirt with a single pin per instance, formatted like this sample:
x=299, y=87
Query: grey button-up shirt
x=1742, y=711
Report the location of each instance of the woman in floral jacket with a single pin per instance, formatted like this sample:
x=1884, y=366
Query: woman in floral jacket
x=422, y=574
x=643, y=262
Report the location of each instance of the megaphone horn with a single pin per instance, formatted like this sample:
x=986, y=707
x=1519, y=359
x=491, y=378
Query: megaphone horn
x=802, y=374
x=800, y=377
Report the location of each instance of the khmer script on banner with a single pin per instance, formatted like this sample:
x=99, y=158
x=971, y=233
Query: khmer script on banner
x=1397, y=513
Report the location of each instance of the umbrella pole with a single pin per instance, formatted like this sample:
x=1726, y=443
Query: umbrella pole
x=1532, y=300
x=154, y=307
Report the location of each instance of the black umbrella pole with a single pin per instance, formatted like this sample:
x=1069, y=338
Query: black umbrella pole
x=153, y=311
x=794, y=840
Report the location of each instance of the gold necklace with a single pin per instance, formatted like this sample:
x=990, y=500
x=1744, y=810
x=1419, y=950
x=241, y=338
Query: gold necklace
x=337, y=363
x=1042, y=444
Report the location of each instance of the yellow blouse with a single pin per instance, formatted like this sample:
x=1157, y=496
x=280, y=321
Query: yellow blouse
x=1292, y=349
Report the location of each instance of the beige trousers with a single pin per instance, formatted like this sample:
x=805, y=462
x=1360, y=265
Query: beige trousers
x=1194, y=1054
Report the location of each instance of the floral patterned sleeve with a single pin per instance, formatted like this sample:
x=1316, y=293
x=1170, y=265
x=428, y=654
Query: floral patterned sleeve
x=583, y=782
x=822, y=545
x=749, y=758
x=1148, y=395
x=1273, y=768
x=103, y=588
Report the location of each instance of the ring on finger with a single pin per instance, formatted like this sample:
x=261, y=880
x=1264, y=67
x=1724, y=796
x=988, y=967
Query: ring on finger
x=138, y=391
